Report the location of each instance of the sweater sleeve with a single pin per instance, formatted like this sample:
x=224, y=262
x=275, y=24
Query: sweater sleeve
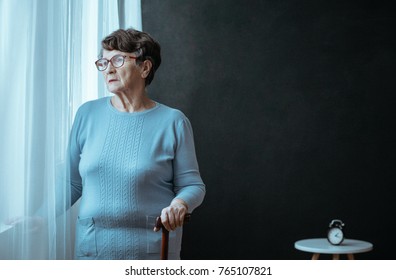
x=74, y=151
x=68, y=181
x=188, y=184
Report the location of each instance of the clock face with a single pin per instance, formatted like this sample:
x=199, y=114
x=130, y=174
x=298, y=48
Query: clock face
x=335, y=236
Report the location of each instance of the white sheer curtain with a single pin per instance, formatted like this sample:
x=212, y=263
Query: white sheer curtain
x=47, y=54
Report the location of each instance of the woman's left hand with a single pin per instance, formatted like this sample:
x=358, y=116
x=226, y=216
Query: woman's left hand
x=173, y=215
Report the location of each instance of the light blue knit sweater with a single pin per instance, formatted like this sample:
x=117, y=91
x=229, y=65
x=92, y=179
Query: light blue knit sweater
x=127, y=167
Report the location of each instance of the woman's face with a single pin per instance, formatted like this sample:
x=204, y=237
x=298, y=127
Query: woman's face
x=125, y=78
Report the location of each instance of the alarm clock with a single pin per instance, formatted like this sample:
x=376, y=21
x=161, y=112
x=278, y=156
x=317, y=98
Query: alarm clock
x=335, y=234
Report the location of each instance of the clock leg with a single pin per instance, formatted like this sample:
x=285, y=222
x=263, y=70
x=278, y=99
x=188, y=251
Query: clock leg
x=336, y=256
x=315, y=256
x=351, y=257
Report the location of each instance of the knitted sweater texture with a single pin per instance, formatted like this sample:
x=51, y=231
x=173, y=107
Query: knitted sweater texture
x=127, y=167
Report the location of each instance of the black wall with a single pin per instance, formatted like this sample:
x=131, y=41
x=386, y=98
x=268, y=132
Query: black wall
x=292, y=105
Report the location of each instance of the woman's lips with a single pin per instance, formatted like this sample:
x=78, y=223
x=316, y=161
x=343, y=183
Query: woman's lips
x=112, y=80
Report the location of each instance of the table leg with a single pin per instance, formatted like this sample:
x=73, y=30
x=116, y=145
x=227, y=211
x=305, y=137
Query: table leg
x=315, y=256
x=336, y=256
x=351, y=257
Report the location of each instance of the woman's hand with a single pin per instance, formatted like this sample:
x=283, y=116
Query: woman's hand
x=173, y=215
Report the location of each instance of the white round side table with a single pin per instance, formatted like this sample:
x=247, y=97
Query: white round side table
x=319, y=246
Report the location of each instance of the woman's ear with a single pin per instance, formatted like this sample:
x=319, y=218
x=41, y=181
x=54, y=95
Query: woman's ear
x=146, y=68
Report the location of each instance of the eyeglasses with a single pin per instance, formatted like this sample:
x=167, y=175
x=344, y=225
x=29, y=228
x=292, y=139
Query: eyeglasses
x=117, y=61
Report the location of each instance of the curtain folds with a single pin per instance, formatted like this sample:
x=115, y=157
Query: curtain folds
x=47, y=54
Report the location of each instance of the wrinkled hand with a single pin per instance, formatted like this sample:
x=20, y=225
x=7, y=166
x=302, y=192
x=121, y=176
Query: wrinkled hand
x=173, y=215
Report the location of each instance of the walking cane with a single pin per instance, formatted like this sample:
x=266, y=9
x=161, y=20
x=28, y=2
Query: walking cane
x=165, y=236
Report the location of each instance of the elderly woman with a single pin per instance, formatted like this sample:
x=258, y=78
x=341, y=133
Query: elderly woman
x=131, y=159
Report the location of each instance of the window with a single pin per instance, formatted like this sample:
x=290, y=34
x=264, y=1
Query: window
x=47, y=53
